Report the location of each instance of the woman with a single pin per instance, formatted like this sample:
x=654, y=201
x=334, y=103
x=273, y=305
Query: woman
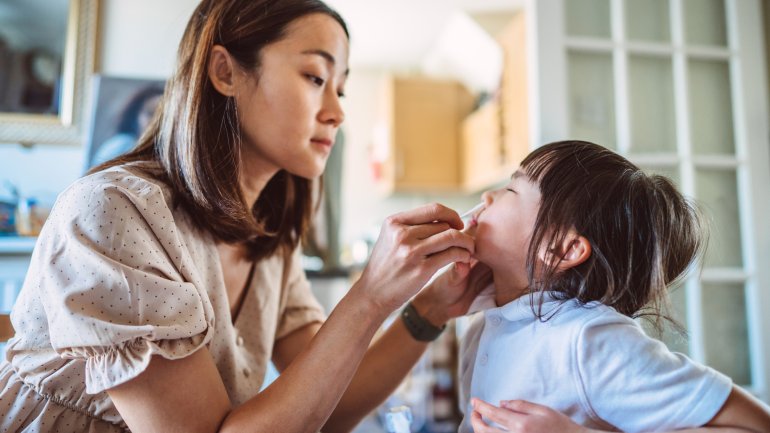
x=165, y=281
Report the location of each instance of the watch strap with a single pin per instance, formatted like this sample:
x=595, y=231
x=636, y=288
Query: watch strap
x=421, y=329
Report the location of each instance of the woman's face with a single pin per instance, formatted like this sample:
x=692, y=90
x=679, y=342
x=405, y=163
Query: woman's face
x=289, y=113
x=505, y=228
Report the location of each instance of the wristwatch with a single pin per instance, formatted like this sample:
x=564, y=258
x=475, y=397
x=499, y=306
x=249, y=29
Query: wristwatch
x=421, y=329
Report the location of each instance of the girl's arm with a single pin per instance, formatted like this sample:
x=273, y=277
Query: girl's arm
x=188, y=395
x=741, y=413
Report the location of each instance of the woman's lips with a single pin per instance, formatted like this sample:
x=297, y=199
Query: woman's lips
x=323, y=142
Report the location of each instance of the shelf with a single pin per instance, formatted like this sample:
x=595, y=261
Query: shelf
x=17, y=244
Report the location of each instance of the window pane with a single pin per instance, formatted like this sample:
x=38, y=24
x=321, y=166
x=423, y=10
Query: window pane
x=588, y=18
x=717, y=192
x=673, y=332
x=705, y=22
x=711, y=118
x=726, y=331
x=651, y=88
x=648, y=20
x=673, y=337
x=592, y=106
x=670, y=172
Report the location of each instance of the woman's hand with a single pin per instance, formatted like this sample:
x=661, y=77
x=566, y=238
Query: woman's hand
x=519, y=416
x=412, y=246
x=450, y=295
x=451, y=292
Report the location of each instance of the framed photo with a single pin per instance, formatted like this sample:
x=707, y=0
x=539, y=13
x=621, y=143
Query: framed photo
x=122, y=109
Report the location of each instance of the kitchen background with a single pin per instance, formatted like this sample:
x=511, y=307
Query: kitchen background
x=444, y=97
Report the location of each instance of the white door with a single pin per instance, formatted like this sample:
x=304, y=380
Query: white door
x=679, y=87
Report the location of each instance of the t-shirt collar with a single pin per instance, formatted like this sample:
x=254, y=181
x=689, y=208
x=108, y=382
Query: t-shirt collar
x=518, y=309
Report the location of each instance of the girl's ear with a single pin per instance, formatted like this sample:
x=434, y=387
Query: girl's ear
x=221, y=70
x=577, y=251
x=574, y=250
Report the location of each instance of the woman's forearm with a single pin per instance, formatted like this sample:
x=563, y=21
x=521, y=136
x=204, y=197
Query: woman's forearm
x=384, y=366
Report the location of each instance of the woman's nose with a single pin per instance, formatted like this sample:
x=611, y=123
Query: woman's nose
x=332, y=112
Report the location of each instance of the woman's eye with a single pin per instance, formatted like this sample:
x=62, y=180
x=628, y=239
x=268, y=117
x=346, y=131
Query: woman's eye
x=340, y=94
x=511, y=190
x=318, y=81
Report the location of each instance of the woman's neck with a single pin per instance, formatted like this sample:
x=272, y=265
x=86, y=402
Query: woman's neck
x=254, y=175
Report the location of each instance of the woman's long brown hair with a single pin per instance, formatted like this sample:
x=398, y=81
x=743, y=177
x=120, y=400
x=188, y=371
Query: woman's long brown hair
x=195, y=133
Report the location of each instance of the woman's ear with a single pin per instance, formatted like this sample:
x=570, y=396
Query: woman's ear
x=221, y=70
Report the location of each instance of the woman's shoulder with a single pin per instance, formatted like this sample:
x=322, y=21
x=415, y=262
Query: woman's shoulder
x=133, y=181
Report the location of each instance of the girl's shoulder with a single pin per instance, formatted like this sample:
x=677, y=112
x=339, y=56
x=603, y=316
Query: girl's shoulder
x=590, y=319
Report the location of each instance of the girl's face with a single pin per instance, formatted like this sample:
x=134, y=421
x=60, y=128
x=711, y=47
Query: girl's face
x=505, y=228
x=290, y=112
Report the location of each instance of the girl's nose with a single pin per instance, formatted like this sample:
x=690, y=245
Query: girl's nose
x=488, y=197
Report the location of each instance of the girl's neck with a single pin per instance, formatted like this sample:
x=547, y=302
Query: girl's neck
x=506, y=289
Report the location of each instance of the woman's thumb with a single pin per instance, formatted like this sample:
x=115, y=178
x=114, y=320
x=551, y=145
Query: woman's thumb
x=460, y=271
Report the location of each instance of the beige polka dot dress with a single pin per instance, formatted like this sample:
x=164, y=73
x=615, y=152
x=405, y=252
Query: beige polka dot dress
x=119, y=274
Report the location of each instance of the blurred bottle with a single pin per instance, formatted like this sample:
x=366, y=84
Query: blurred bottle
x=30, y=216
x=398, y=420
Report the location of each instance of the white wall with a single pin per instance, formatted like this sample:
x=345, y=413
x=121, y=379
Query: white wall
x=139, y=38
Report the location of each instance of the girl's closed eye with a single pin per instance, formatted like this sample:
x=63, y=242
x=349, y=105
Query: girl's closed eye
x=511, y=190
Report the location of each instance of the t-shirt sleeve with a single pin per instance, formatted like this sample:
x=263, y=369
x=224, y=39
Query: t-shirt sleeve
x=107, y=268
x=635, y=383
x=300, y=306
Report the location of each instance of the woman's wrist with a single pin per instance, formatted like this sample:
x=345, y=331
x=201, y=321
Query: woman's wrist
x=376, y=310
x=430, y=310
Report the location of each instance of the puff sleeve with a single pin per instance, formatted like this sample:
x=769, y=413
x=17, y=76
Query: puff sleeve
x=115, y=280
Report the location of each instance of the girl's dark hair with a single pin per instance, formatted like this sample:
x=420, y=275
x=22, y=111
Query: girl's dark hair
x=643, y=233
x=195, y=134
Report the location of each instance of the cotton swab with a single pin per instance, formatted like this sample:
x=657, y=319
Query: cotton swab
x=472, y=211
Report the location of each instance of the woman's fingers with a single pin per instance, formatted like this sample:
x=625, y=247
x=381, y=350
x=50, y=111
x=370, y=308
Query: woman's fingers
x=424, y=231
x=427, y=214
x=445, y=240
x=450, y=255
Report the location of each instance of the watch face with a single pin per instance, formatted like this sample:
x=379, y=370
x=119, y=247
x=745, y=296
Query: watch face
x=45, y=68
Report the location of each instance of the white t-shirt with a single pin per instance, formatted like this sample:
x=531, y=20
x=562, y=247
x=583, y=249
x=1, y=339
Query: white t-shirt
x=589, y=362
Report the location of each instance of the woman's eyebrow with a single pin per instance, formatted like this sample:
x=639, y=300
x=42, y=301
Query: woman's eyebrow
x=517, y=174
x=325, y=55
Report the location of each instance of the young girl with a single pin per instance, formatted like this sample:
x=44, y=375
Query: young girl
x=578, y=243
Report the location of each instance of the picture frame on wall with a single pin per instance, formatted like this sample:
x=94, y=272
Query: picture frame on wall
x=122, y=109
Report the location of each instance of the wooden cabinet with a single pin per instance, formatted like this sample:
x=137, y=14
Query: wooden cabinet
x=496, y=135
x=421, y=119
x=431, y=139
